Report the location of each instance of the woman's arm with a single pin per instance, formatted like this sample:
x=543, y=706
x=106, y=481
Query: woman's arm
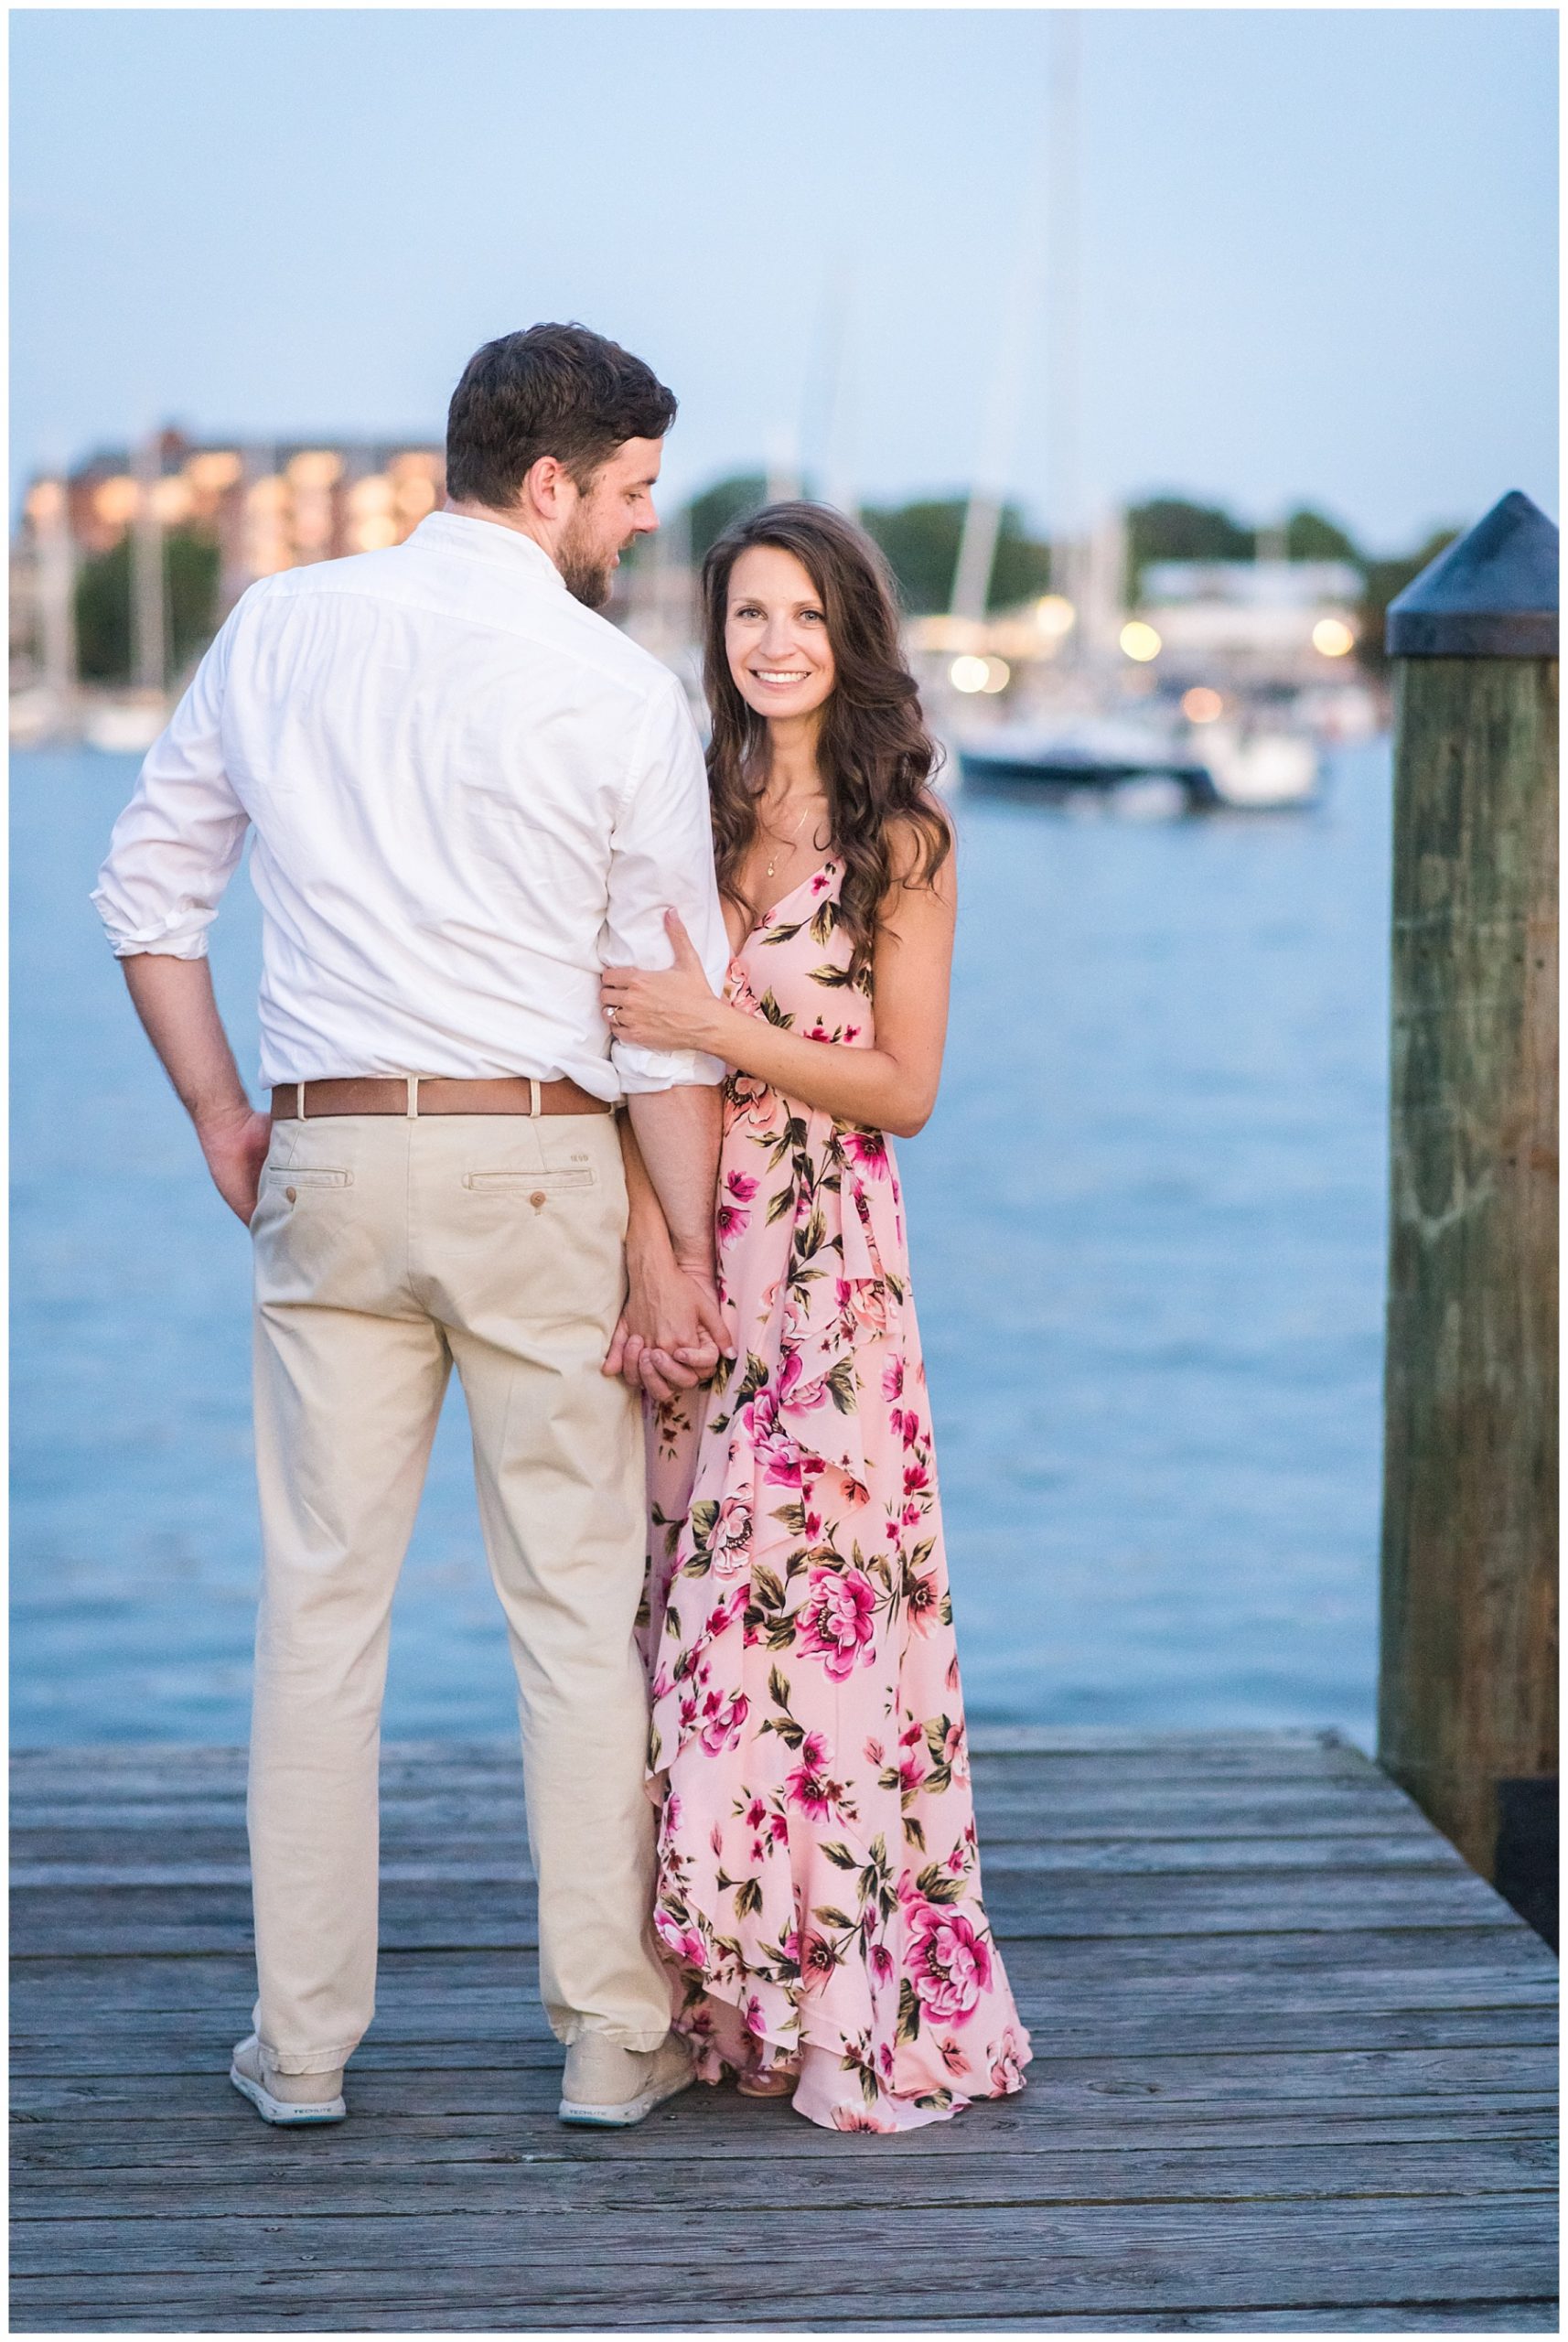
x=892, y=1087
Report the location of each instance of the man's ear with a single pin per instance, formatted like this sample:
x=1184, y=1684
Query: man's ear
x=544, y=489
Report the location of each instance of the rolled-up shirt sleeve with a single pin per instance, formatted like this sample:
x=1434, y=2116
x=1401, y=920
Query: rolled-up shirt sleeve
x=661, y=858
x=177, y=845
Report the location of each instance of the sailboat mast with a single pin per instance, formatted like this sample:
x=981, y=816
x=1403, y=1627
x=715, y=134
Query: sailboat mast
x=149, y=633
x=839, y=468
x=1036, y=260
x=54, y=555
x=1062, y=450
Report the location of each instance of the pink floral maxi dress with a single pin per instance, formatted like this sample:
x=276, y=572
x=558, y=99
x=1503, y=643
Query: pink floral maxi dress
x=818, y=1893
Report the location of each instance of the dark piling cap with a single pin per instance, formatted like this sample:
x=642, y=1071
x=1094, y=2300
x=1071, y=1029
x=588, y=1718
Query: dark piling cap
x=1491, y=594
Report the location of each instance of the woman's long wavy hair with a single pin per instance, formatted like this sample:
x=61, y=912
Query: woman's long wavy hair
x=876, y=756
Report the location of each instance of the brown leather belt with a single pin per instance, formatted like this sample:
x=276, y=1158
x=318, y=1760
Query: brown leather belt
x=417, y=1094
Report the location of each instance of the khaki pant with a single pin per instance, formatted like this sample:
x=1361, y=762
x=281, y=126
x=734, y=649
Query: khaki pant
x=387, y=1250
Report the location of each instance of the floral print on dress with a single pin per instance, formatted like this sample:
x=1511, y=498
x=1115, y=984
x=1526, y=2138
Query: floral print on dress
x=818, y=1898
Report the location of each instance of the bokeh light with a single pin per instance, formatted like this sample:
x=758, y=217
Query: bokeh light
x=317, y=467
x=1332, y=637
x=214, y=470
x=115, y=500
x=171, y=500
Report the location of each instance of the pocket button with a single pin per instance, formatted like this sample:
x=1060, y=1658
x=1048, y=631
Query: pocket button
x=291, y=1195
x=539, y=1199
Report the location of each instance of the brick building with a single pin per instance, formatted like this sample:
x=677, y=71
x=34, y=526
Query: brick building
x=267, y=507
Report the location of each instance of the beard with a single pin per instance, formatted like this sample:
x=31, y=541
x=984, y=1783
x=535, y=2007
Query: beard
x=587, y=569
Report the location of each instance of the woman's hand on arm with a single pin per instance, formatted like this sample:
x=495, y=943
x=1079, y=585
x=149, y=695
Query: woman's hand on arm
x=891, y=1087
x=667, y=1008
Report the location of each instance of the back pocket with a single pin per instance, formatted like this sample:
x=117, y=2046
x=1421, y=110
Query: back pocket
x=282, y=1174
x=552, y=1182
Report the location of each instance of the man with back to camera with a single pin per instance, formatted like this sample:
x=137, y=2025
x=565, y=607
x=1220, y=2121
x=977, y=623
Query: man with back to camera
x=469, y=791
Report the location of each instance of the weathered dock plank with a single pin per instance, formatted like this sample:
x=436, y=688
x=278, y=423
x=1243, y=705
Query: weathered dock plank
x=1034, y=2174
x=1295, y=2072
x=530, y=2269
x=429, y=1916
x=456, y=1979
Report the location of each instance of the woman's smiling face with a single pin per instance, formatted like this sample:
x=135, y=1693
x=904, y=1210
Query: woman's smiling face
x=775, y=635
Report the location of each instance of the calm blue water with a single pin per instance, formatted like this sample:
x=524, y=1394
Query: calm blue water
x=1147, y=1222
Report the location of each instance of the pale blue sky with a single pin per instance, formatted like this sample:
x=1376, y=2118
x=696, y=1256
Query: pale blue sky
x=1318, y=245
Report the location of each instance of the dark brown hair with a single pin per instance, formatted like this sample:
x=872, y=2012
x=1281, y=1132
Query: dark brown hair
x=555, y=390
x=875, y=756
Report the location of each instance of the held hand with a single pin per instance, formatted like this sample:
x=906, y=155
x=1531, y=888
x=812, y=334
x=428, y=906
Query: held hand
x=642, y=1368
x=710, y=1315
x=624, y=1356
x=671, y=1332
x=664, y=1008
x=236, y=1146
x=684, y=1331
x=615, y=1357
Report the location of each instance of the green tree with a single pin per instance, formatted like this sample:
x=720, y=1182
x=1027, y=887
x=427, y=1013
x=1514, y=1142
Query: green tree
x=1384, y=580
x=1310, y=537
x=921, y=542
x=191, y=565
x=711, y=512
x=104, y=616
x=1022, y=570
x=1167, y=528
x=104, y=606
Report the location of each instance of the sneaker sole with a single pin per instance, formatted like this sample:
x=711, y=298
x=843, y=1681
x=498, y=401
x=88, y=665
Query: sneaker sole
x=279, y=2111
x=631, y=2109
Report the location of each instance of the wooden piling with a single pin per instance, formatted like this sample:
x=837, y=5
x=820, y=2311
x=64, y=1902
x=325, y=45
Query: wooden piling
x=1467, y=1715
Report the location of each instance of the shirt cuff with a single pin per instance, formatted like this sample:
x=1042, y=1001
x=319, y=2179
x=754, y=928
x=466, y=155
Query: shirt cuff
x=174, y=937
x=642, y=1070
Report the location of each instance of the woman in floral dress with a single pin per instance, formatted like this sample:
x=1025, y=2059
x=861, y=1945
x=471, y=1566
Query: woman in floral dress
x=818, y=1892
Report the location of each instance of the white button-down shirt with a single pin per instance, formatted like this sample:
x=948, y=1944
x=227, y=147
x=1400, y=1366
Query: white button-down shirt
x=468, y=793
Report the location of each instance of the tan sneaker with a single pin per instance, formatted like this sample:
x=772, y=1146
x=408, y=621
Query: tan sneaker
x=285, y=2097
x=606, y=2084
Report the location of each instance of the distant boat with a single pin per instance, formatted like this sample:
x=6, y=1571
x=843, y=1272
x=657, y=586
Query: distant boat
x=1100, y=756
x=122, y=724
x=1142, y=768
x=1262, y=767
x=36, y=715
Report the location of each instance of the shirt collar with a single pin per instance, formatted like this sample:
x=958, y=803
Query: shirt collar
x=489, y=541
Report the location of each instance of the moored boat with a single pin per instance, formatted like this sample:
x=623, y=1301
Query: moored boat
x=1145, y=767
x=1090, y=754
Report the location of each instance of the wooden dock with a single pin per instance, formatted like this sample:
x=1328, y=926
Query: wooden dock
x=1294, y=2070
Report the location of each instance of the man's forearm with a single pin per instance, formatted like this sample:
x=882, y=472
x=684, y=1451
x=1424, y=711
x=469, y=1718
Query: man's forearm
x=671, y=1332
x=646, y=1234
x=677, y=1133
x=175, y=1000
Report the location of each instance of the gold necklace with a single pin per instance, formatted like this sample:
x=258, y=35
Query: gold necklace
x=780, y=843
